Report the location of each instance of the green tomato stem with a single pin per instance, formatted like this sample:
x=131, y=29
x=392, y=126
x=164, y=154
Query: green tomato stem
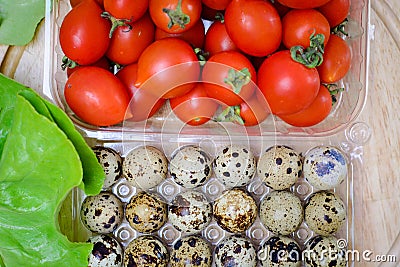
x=176, y=16
x=311, y=56
x=115, y=23
x=68, y=63
x=341, y=28
x=237, y=79
x=230, y=114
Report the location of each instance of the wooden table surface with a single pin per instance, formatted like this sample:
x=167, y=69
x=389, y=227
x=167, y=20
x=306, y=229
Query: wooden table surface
x=377, y=207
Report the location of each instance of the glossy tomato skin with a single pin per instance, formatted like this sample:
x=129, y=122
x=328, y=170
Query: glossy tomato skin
x=254, y=26
x=337, y=60
x=161, y=65
x=191, y=8
x=216, y=71
x=74, y=3
x=288, y=86
x=126, y=9
x=314, y=113
x=299, y=24
x=335, y=11
x=254, y=111
x=97, y=97
x=128, y=44
x=195, y=107
x=194, y=36
x=102, y=63
x=216, y=4
x=218, y=40
x=303, y=4
x=142, y=105
x=84, y=33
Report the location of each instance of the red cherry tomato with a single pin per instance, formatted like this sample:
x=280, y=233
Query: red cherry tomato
x=97, y=97
x=216, y=4
x=102, y=63
x=303, y=4
x=128, y=43
x=175, y=16
x=335, y=11
x=229, y=77
x=218, y=40
x=314, y=113
x=84, y=33
x=168, y=68
x=287, y=85
x=254, y=111
x=299, y=24
x=209, y=13
x=126, y=9
x=143, y=105
x=282, y=10
x=194, y=36
x=337, y=60
x=195, y=107
x=254, y=26
x=76, y=2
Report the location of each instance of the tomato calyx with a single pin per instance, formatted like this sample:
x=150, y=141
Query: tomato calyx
x=176, y=16
x=115, y=23
x=334, y=90
x=341, y=28
x=68, y=63
x=230, y=114
x=237, y=79
x=201, y=55
x=311, y=56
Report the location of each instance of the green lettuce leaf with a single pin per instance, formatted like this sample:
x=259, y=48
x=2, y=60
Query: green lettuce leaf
x=19, y=19
x=38, y=167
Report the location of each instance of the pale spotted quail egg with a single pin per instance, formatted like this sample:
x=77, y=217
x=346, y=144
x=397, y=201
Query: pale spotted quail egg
x=325, y=167
x=234, y=165
x=279, y=167
x=145, y=167
x=190, y=166
x=146, y=251
x=324, y=212
x=111, y=162
x=102, y=213
x=190, y=212
x=235, y=210
x=235, y=251
x=146, y=212
x=281, y=212
x=191, y=251
x=106, y=252
x=324, y=251
x=280, y=251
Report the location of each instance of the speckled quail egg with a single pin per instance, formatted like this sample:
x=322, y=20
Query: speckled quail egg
x=146, y=251
x=111, y=162
x=235, y=210
x=145, y=167
x=325, y=167
x=106, y=252
x=102, y=213
x=191, y=251
x=190, y=212
x=190, y=166
x=324, y=251
x=235, y=251
x=281, y=212
x=146, y=212
x=234, y=165
x=279, y=167
x=324, y=212
x=280, y=251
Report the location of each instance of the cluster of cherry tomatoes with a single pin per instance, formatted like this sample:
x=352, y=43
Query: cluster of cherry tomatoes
x=242, y=59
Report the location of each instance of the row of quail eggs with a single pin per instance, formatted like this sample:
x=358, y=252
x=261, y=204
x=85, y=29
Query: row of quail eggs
x=235, y=210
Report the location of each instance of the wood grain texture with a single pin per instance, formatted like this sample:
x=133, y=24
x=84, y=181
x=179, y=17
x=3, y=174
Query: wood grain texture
x=377, y=207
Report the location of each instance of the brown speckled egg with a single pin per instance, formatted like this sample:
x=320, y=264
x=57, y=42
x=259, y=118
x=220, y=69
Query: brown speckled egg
x=190, y=166
x=146, y=212
x=102, y=213
x=235, y=251
x=190, y=212
x=146, y=251
x=325, y=167
x=281, y=212
x=280, y=251
x=324, y=251
x=145, y=167
x=235, y=210
x=234, y=165
x=111, y=162
x=279, y=167
x=106, y=252
x=324, y=212
x=191, y=251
